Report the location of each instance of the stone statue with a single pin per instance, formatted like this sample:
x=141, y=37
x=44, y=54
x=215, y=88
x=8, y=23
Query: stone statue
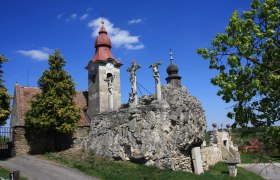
x=109, y=81
x=133, y=95
x=132, y=71
x=155, y=70
x=157, y=78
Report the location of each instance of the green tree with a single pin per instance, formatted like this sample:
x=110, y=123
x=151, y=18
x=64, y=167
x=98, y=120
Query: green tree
x=53, y=110
x=4, y=96
x=247, y=57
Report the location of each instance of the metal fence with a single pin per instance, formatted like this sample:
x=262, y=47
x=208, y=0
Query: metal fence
x=5, y=137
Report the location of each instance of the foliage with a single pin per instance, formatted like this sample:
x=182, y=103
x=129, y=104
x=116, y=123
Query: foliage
x=267, y=151
x=4, y=96
x=109, y=169
x=4, y=173
x=273, y=137
x=53, y=109
x=207, y=137
x=247, y=57
x=258, y=158
x=4, y=139
x=242, y=136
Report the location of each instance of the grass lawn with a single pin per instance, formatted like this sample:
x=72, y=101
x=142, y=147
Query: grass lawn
x=4, y=173
x=108, y=169
x=258, y=158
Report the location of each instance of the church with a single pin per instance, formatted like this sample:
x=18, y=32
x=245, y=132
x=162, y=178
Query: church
x=165, y=129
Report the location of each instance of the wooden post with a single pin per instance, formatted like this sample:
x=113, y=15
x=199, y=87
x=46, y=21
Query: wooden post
x=15, y=175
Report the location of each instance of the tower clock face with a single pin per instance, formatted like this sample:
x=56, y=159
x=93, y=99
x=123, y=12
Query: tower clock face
x=109, y=65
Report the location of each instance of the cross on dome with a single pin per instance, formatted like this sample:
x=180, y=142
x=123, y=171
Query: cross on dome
x=171, y=58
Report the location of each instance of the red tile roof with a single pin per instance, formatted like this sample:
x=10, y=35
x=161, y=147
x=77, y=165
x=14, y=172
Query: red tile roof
x=23, y=95
x=103, y=48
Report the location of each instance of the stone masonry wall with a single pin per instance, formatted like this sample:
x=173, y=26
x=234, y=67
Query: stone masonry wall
x=42, y=143
x=80, y=133
x=20, y=144
x=218, y=150
x=210, y=155
x=160, y=133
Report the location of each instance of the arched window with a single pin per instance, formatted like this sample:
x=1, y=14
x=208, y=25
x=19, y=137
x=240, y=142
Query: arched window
x=109, y=75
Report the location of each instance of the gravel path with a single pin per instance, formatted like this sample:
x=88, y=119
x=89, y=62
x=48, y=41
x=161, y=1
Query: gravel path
x=266, y=170
x=35, y=168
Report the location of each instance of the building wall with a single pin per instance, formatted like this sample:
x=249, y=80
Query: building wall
x=20, y=143
x=14, y=113
x=26, y=143
x=98, y=89
x=217, y=150
x=210, y=155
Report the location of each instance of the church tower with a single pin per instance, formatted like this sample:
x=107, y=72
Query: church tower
x=172, y=71
x=103, y=77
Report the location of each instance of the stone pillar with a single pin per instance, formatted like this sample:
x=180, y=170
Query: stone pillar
x=157, y=79
x=158, y=90
x=135, y=102
x=197, y=161
x=232, y=169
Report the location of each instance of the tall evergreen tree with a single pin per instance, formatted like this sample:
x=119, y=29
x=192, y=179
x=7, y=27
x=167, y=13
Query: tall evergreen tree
x=4, y=96
x=53, y=110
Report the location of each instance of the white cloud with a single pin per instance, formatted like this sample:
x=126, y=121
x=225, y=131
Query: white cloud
x=72, y=17
x=59, y=16
x=134, y=47
x=135, y=21
x=119, y=37
x=84, y=17
x=37, y=54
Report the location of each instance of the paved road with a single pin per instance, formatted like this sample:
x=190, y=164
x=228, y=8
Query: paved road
x=35, y=168
x=266, y=170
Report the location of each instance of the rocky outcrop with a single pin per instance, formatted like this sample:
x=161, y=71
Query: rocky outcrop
x=159, y=133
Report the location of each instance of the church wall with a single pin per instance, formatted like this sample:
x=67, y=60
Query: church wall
x=103, y=88
x=93, y=95
x=117, y=89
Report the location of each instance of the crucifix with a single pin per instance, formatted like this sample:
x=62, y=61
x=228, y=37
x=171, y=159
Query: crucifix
x=133, y=99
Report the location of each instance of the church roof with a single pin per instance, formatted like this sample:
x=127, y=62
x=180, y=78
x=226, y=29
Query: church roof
x=21, y=104
x=103, y=48
x=172, y=70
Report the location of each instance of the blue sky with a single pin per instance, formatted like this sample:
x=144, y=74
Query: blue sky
x=142, y=30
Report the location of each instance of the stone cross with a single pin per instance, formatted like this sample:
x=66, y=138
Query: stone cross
x=133, y=99
x=157, y=78
x=109, y=81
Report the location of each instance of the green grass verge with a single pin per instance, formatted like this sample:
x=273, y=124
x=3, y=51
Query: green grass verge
x=108, y=169
x=4, y=173
x=258, y=158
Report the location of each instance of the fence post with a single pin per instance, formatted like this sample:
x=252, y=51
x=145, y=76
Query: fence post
x=15, y=175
